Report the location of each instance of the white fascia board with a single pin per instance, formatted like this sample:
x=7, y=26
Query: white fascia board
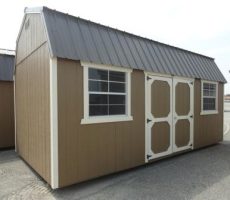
x=54, y=124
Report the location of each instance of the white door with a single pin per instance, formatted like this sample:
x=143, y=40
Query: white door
x=158, y=140
x=169, y=116
x=183, y=114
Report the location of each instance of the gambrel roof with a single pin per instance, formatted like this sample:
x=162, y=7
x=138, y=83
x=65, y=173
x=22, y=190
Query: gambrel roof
x=78, y=39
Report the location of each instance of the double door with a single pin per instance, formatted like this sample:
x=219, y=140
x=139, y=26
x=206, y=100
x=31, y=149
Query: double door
x=169, y=116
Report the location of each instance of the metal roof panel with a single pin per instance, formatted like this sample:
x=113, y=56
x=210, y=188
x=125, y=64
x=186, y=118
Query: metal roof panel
x=78, y=39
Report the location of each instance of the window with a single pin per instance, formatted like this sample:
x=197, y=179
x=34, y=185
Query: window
x=106, y=94
x=209, y=98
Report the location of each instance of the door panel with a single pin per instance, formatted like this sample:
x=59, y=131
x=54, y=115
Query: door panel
x=160, y=92
x=183, y=114
x=158, y=117
x=182, y=99
x=182, y=131
x=160, y=137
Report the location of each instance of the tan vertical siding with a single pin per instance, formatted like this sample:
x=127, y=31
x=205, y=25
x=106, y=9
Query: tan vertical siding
x=32, y=36
x=33, y=111
x=87, y=151
x=6, y=114
x=32, y=96
x=208, y=129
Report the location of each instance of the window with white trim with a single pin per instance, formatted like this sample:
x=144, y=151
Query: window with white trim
x=106, y=94
x=209, y=96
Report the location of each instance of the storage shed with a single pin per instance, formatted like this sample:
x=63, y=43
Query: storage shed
x=92, y=100
x=6, y=99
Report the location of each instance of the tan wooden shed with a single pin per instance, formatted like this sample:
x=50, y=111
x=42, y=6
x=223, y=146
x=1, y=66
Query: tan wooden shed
x=6, y=99
x=92, y=100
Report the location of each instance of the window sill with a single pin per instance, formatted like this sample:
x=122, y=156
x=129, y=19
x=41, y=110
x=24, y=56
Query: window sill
x=96, y=120
x=211, y=112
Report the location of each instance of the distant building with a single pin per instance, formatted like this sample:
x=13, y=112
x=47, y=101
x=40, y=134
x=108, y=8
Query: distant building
x=6, y=98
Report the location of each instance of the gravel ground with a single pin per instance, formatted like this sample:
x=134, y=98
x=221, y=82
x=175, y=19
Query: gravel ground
x=203, y=174
x=198, y=175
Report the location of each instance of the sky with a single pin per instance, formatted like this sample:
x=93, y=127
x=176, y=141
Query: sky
x=202, y=26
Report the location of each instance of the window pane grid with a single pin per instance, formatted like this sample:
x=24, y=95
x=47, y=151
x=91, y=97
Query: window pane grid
x=107, y=92
x=209, y=96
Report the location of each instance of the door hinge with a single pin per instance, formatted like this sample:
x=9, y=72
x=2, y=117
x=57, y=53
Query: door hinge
x=148, y=156
x=191, y=145
x=149, y=120
x=191, y=116
x=148, y=78
x=191, y=83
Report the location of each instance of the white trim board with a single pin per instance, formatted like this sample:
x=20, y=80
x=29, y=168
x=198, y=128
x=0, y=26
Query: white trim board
x=15, y=119
x=54, y=124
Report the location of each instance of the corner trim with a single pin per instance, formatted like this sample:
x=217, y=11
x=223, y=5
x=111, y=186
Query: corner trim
x=15, y=119
x=54, y=124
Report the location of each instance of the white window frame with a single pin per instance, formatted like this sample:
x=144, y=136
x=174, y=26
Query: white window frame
x=110, y=118
x=209, y=112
